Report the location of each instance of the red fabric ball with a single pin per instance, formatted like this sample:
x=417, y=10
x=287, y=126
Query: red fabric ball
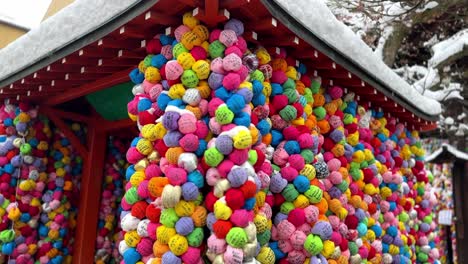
x=153, y=46
x=372, y=208
x=299, y=108
x=210, y=200
x=351, y=221
x=248, y=189
x=221, y=228
x=291, y=133
x=279, y=102
x=139, y=209
x=145, y=118
x=279, y=199
x=254, y=119
x=351, y=128
x=260, y=159
x=235, y=199
x=153, y=213
x=306, y=80
x=398, y=162
x=160, y=147
x=328, y=144
x=368, y=175
x=297, y=217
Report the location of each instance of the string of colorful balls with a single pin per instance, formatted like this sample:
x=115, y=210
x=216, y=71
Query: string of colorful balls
x=278, y=168
x=34, y=223
x=109, y=212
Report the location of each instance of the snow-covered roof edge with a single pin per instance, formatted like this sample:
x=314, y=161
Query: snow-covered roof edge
x=319, y=20
x=70, y=24
x=451, y=149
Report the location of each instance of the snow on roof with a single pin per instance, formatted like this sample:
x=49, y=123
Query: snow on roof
x=319, y=20
x=451, y=149
x=68, y=25
x=449, y=47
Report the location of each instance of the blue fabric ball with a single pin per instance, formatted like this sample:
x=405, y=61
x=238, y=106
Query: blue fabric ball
x=257, y=87
x=392, y=231
x=8, y=121
x=377, y=230
x=222, y=93
x=196, y=178
x=302, y=69
x=202, y=145
x=130, y=171
x=264, y=127
x=362, y=229
x=165, y=40
x=249, y=203
x=276, y=137
x=131, y=256
x=301, y=183
x=158, y=61
x=259, y=99
x=242, y=119
x=144, y=104
x=292, y=147
x=235, y=103
x=163, y=100
x=136, y=76
x=276, y=89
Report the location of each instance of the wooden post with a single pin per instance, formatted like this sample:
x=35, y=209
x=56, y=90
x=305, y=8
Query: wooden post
x=90, y=195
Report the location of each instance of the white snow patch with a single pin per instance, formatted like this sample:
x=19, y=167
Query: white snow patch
x=322, y=23
x=449, y=47
x=380, y=45
x=428, y=6
x=461, y=116
x=449, y=121
x=453, y=150
x=430, y=79
x=71, y=23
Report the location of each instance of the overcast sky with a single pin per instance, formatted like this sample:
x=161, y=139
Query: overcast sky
x=25, y=13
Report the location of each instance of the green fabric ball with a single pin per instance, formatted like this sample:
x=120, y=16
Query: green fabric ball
x=257, y=75
x=224, y=115
x=314, y=194
x=264, y=238
x=216, y=49
x=291, y=94
x=195, y=238
x=313, y=244
x=288, y=113
x=189, y=79
x=213, y=157
x=237, y=237
x=131, y=196
x=289, y=84
x=308, y=155
x=290, y=193
x=348, y=119
x=178, y=49
x=168, y=217
x=353, y=248
x=308, y=96
x=286, y=207
x=315, y=86
x=320, y=113
x=147, y=60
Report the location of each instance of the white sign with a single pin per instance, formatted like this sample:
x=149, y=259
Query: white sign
x=445, y=217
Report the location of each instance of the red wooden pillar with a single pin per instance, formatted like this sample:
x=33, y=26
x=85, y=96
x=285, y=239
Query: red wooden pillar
x=90, y=195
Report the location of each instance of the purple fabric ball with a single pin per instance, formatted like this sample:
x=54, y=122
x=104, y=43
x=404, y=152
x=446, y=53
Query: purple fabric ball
x=237, y=177
x=184, y=226
x=246, y=94
x=323, y=229
x=334, y=192
x=170, y=119
x=190, y=191
x=210, y=220
x=170, y=258
x=224, y=144
x=215, y=80
x=171, y=139
x=235, y=25
x=279, y=217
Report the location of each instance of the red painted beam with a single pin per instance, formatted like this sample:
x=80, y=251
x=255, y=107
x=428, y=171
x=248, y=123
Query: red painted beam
x=65, y=129
x=90, y=194
x=120, y=124
x=111, y=80
x=211, y=15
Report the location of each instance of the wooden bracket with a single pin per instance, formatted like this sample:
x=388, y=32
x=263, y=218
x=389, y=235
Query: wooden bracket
x=56, y=117
x=211, y=15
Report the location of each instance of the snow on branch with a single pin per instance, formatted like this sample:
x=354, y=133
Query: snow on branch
x=449, y=49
